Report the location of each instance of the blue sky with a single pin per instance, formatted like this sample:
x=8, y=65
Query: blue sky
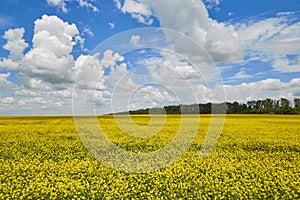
x=250, y=51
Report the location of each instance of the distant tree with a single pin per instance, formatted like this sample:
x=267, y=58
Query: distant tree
x=205, y=108
x=284, y=103
x=172, y=109
x=235, y=106
x=297, y=105
x=297, y=102
x=189, y=109
x=245, y=109
x=268, y=105
x=259, y=106
x=284, y=107
x=251, y=104
x=219, y=108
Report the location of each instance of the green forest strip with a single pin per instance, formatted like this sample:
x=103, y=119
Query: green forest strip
x=267, y=106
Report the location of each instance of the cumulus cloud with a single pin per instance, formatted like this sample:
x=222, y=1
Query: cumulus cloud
x=269, y=88
x=32, y=83
x=15, y=43
x=89, y=72
x=169, y=74
x=6, y=104
x=172, y=69
x=62, y=4
x=49, y=63
x=8, y=64
x=172, y=75
x=110, y=58
x=190, y=17
x=46, y=73
x=50, y=57
x=6, y=100
x=5, y=83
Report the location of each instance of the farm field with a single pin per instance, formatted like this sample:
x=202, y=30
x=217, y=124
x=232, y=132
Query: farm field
x=256, y=157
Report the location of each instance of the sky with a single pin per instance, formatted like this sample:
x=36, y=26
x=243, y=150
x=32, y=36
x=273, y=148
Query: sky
x=62, y=57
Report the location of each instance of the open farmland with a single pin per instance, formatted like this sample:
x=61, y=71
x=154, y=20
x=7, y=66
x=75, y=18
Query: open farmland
x=256, y=156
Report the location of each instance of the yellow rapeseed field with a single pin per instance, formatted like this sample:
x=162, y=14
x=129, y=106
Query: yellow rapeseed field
x=256, y=157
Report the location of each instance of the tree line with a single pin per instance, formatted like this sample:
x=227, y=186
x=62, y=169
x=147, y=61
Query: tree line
x=267, y=106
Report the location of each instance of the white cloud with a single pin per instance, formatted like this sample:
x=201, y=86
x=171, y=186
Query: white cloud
x=181, y=71
x=62, y=4
x=80, y=40
x=269, y=88
x=230, y=14
x=135, y=6
x=141, y=19
x=6, y=103
x=32, y=83
x=191, y=17
x=117, y=72
x=90, y=72
x=111, y=25
x=53, y=34
x=181, y=78
x=282, y=63
x=241, y=75
x=88, y=31
x=50, y=58
x=135, y=39
x=271, y=40
x=285, y=13
x=204, y=95
x=110, y=58
x=46, y=73
x=87, y=4
x=6, y=100
x=49, y=63
x=267, y=40
x=46, y=87
x=8, y=64
x=150, y=97
x=58, y=3
x=37, y=102
x=15, y=43
x=175, y=75
x=48, y=69
x=5, y=83
x=136, y=9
